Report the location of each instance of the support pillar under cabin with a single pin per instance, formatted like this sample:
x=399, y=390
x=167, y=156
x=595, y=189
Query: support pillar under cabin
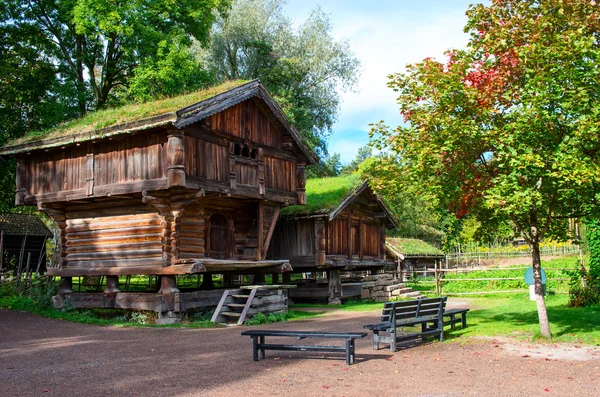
x=335, y=287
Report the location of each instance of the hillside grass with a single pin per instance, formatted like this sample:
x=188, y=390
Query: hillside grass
x=324, y=194
x=127, y=114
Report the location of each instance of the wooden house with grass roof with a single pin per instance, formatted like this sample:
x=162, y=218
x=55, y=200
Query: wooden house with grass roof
x=184, y=185
x=341, y=228
x=413, y=254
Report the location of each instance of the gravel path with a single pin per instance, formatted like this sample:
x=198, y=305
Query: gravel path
x=40, y=356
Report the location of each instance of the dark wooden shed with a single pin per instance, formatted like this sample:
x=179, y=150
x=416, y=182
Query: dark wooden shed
x=342, y=228
x=23, y=240
x=185, y=185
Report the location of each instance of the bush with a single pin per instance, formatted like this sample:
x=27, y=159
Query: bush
x=584, y=289
x=260, y=318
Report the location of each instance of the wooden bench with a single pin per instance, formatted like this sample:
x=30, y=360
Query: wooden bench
x=426, y=312
x=454, y=316
x=259, y=345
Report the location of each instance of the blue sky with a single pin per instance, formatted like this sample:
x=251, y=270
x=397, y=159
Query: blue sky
x=386, y=35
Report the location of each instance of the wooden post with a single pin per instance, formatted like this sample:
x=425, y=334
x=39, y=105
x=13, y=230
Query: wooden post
x=66, y=286
x=349, y=237
x=112, y=285
x=360, y=239
x=320, y=242
x=382, y=241
x=232, y=174
x=261, y=172
x=259, y=232
x=335, y=287
x=168, y=285
x=259, y=278
x=176, y=159
x=227, y=281
x=27, y=269
x=89, y=171
x=286, y=278
x=437, y=278
x=275, y=278
x=1, y=253
x=20, y=194
x=301, y=183
x=207, y=282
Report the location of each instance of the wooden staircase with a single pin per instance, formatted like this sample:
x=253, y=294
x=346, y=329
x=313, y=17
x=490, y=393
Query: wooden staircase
x=236, y=305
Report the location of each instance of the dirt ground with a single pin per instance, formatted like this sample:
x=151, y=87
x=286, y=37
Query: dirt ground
x=40, y=356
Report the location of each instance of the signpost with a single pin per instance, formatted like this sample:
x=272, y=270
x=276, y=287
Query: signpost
x=529, y=280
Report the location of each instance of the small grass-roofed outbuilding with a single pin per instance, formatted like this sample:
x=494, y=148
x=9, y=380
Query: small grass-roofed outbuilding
x=411, y=254
x=23, y=240
x=341, y=228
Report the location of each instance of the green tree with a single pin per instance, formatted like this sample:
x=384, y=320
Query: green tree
x=303, y=68
x=328, y=166
x=97, y=44
x=363, y=153
x=508, y=128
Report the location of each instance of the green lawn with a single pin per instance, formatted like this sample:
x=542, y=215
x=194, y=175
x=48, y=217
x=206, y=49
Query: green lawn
x=514, y=316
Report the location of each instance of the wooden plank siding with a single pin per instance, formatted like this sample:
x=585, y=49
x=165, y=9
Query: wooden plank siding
x=246, y=121
x=280, y=174
x=206, y=159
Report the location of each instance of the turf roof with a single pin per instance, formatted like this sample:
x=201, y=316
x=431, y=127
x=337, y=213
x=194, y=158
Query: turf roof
x=412, y=247
x=127, y=114
x=323, y=195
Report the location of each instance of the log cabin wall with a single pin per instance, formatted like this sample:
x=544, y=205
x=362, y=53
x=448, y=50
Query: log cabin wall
x=112, y=233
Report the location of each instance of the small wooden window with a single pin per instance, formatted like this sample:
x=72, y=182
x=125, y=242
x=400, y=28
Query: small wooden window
x=218, y=237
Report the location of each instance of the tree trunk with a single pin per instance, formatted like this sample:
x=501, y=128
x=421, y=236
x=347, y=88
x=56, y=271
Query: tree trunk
x=539, y=290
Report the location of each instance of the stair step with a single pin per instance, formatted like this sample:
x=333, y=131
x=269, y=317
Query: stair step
x=241, y=296
x=231, y=314
x=236, y=305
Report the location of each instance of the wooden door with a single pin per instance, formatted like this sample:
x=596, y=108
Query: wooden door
x=218, y=237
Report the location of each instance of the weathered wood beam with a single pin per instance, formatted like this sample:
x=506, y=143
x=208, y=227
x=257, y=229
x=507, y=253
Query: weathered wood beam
x=270, y=232
x=89, y=170
x=301, y=183
x=21, y=177
x=176, y=159
x=83, y=270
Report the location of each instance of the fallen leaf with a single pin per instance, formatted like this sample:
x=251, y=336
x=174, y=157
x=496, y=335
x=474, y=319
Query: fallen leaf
x=282, y=380
x=546, y=390
x=346, y=369
x=46, y=390
x=525, y=355
x=389, y=359
x=325, y=387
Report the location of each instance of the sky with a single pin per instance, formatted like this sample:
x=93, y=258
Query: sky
x=385, y=35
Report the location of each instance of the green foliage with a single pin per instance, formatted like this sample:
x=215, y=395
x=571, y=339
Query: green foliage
x=260, y=318
x=363, y=153
x=303, y=68
x=325, y=194
x=327, y=166
x=138, y=318
x=416, y=217
x=593, y=242
x=97, y=45
x=173, y=71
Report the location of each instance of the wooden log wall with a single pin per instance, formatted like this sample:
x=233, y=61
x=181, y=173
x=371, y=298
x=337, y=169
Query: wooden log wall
x=120, y=233
x=293, y=238
x=192, y=233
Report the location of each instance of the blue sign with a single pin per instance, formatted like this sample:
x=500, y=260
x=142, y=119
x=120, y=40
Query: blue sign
x=529, y=276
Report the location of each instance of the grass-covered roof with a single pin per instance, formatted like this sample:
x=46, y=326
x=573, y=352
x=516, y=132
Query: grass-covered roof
x=110, y=117
x=412, y=247
x=324, y=195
